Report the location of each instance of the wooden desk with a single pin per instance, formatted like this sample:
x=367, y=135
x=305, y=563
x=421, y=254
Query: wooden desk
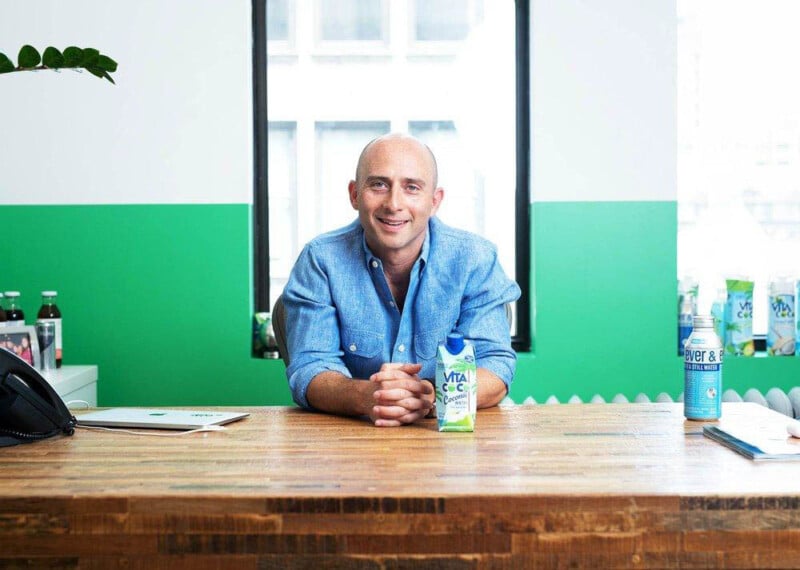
x=609, y=485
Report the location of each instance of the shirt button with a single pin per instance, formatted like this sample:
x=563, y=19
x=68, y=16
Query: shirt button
x=374, y=263
x=391, y=303
x=353, y=347
x=401, y=348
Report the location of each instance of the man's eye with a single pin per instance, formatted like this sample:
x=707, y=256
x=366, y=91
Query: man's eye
x=378, y=184
x=413, y=188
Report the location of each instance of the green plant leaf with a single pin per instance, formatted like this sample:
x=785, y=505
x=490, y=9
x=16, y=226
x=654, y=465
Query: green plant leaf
x=105, y=62
x=98, y=72
x=28, y=57
x=5, y=64
x=90, y=57
x=72, y=56
x=53, y=58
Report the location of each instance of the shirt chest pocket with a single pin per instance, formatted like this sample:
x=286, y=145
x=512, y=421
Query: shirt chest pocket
x=362, y=344
x=426, y=344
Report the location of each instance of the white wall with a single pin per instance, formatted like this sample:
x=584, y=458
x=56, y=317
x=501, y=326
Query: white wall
x=603, y=100
x=177, y=127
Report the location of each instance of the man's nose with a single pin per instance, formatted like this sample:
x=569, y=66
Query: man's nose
x=394, y=197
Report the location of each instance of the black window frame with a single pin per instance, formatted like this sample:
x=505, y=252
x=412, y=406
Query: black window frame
x=522, y=340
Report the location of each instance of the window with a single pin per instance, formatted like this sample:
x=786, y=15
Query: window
x=282, y=172
x=350, y=20
x=331, y=75
x=441, y=20
x=469, y=210
x=278, y=20
x=739, y=145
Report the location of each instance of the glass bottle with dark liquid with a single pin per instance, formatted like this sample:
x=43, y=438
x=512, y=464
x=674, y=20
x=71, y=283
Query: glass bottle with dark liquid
x=14, y=314
x=49, y=312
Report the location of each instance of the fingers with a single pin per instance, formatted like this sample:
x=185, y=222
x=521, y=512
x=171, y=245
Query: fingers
x=393, y=416
x=400, y=390
x=401, y=397
x=393, y=370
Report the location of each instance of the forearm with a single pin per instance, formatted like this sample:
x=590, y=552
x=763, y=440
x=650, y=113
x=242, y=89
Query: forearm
x=491, y=389
x=335, y=393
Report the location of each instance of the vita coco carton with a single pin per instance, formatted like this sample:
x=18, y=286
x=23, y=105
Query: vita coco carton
x=456, y=384
x=782, y=307
x=739, y=318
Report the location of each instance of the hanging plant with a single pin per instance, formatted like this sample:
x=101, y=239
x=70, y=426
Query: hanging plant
x=73, y=57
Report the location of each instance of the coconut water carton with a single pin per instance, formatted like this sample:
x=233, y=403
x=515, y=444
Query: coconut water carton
x=797, y=320
x=781, y=331
x=739, y=318
x=456, y=384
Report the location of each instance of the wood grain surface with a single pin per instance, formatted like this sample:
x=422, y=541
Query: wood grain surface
x=564, y=486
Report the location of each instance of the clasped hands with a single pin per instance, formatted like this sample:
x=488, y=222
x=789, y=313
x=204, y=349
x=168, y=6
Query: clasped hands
x=401, y=396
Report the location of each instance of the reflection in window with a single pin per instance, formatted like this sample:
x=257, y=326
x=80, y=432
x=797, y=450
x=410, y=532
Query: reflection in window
x=351, y=20
x=278, y=20
x=738, y=145
x=441, y=20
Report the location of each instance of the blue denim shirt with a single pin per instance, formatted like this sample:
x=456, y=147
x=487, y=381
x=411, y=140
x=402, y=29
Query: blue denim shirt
x=341, y=316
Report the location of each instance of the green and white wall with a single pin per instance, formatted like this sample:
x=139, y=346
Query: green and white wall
x=134, y=201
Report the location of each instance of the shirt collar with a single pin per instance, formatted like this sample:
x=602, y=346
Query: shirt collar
x=423, y=256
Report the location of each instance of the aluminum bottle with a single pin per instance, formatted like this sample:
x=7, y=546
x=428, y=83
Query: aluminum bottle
x=702, y=394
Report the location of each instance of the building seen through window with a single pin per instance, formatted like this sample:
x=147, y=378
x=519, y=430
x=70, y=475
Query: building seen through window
x=739, y=145
x=340, y=73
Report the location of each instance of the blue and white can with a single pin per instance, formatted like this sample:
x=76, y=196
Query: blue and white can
x=702, y=369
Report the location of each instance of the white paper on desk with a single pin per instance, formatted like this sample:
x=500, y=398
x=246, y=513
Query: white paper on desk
x=766, y=433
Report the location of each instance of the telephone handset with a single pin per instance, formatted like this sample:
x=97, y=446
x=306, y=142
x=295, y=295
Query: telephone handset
x=30, y=409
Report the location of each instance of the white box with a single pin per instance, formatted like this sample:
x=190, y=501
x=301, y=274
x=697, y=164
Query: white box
x=74, y=383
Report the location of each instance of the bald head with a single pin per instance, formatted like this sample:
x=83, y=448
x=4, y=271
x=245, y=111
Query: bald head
x=396, y=142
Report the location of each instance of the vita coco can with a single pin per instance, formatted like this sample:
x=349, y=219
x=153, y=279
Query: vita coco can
x=46, y=333
x=702, y=371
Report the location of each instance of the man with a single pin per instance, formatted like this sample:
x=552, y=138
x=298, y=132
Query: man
x=371, y=301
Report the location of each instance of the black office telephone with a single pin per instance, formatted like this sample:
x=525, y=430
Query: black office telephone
x=30, y=409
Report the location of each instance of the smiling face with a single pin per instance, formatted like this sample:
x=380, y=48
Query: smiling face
x=395, y=194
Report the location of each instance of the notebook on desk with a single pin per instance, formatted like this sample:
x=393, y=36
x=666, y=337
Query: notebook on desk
x=759, y=435
x=157, y=418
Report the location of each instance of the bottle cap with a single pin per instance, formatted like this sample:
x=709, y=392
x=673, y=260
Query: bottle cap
x=701, y=321
x=455, y=343
x=49, y=293
x=12, y=293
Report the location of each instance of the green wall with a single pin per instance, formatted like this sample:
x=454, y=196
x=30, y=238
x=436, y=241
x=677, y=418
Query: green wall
x=605, y=297
x=159, y=297
x=604, y=292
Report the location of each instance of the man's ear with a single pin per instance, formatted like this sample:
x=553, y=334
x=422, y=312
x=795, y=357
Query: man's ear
x=438, y=196
x=352, y=189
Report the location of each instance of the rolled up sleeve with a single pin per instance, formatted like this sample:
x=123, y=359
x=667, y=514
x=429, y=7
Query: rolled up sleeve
x=313, y=337
x=483, y=317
